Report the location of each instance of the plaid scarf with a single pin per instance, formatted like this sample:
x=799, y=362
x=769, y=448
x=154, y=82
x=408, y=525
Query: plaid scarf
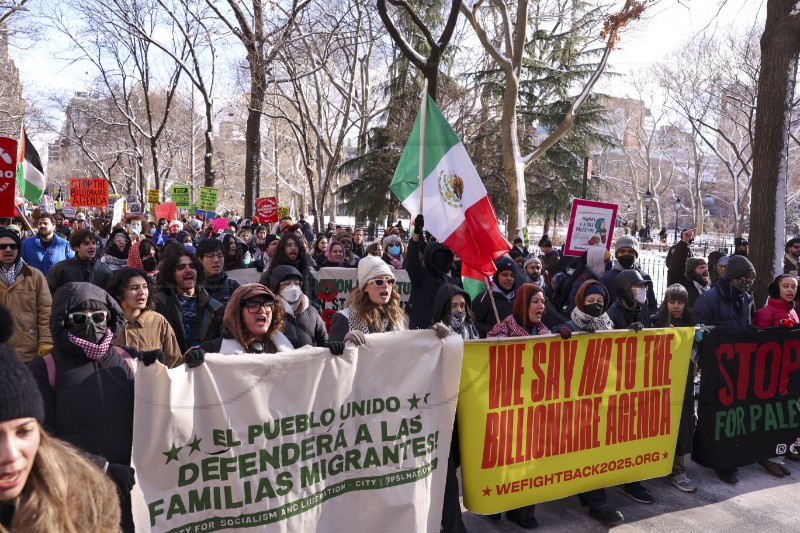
x=93, y=351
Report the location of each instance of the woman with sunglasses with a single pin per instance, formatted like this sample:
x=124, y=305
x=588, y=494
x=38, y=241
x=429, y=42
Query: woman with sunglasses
x=45, y=484
x=88, y=387
x=253, y=323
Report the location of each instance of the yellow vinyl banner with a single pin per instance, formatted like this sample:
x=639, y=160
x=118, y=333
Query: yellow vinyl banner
x=541, y=418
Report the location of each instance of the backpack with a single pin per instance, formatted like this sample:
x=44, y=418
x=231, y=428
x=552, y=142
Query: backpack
x=50, y=363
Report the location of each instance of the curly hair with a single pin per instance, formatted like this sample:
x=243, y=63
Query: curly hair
x=122, y=278
x=65, y=493
x=169, y=264
x=373, y=314
x=77, y=238
x=280, y=254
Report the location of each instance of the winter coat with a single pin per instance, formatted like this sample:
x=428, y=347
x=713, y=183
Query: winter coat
x=442, y=304
x=484, y=314
x=305, y=327
x=77, y=269
x=608, y=282
x=220, y=287
x=425, y=282
x=693, y=289
x=309, y=281
x=230, y=346
x=37, y=256
x=150, y=331
x=623, y=318
x=676, y=269
x=112, y=255
x=91, y=403
x=29, y=301
x=723, y=305
x=209, y=317
x=771, y=314
x=790, y=264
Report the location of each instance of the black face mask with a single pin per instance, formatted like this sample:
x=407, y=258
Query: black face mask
x=593, y=310
x=149, y=264
x=90, y=330
x=626, y=261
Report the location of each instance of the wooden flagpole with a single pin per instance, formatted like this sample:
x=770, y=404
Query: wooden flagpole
x=423, y=111
x=491, y=298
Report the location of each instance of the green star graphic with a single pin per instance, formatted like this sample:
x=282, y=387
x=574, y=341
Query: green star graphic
x=194, y=446
x=172, y=455
x=414, y=400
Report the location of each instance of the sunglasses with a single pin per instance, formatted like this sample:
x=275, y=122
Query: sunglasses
x=380, y=282
x=254, y=306
x=7, y=246
x=97, y=317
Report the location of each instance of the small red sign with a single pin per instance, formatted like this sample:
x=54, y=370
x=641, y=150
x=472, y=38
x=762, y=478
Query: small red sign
x=8, y=176
x=267, y=209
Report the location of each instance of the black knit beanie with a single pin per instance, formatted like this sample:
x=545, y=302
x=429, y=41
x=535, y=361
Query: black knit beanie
x=19, y=393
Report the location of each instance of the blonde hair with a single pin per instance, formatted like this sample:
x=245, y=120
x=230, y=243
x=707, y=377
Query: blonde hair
x=372, y=314
x=65, y=493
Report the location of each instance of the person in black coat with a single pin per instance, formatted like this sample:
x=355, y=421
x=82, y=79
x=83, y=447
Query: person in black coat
x=291, y=251
x=217, y=283
x=427, y=278
x=90, y=401
x=83, y=267
x=302, y=324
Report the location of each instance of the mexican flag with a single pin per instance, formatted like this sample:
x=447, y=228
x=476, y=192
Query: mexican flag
x=30, y=172
x=457, y=210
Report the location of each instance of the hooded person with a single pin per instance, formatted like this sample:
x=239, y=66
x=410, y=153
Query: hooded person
x=253, y=323
x=453, y=307
x=291, y=250
x=629, y=309
x=427, y=277
x=144, y=255
x=303, y=325
x=503, y=290
x=592, y=265
x=526, y=315
x=393, y=251
x=98, y=419
x=117, y=248
x=236, y=253
x=186, y=239
x=589, y=314
x=47, y=484
x=626, y=257
x=25, y=293
x=335, y=256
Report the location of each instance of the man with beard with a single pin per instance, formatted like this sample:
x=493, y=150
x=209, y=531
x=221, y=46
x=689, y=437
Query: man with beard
x=680, y=252
x=533, y=269
x=792, y=256
x=626, y=254
x=698, y=278
x=83, y=267
x=45, y=249
x=193, y=314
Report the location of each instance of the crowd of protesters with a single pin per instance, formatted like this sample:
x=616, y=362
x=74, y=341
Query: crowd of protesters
x=85, y=298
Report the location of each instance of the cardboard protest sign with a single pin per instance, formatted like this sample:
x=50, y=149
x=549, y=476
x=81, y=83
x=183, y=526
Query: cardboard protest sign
x=590, y=224
x=46, y=204
x=208, y=199
x=167, y=210
x=267, y=209
x=544, y=418
x=298, y=441
x=335, y=284
x=69, y=211
x=749, y=407
x=181, y=196
x=88, y=192
x=8, y=176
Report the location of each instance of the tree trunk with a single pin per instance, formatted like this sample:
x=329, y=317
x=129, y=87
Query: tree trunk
x=252, y=164
x=780, y=44
x=513, y=166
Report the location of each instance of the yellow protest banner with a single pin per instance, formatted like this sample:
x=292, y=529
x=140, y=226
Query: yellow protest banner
x=541, y=418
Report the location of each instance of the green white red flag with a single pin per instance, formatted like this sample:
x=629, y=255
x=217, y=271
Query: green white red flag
x=457, y=209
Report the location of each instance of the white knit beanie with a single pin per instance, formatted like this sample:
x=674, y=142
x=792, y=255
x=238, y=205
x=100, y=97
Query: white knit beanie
x=371, y=267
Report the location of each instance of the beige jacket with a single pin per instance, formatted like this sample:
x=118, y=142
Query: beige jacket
x=150, y=331
x=29, y=302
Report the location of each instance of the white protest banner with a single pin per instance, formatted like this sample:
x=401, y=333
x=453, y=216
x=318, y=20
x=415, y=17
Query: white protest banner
x=299, y=441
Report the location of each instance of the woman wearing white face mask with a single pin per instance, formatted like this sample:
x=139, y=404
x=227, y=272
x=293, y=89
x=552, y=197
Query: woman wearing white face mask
x=629, y=311
x=303, y=325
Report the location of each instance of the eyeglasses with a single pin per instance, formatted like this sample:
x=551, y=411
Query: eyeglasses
x=80, y=318
x=380, y=282
x=290, y=283
x=254, y=306
x=7, y=246
x=214, y=256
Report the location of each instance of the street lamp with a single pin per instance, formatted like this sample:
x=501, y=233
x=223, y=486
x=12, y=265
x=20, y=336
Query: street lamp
x=648, y=198
x=677, y=206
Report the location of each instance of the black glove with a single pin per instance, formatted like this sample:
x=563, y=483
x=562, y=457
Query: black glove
x=336, y=347
x=195, y=357
x=565, y=332
x=637, y=327
x=123, y=476
x=260, y=265
x=419, y=223
x=589, y=328
x=151, y=356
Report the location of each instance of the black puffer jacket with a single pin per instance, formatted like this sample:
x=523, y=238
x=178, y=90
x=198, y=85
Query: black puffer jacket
x=91, y=405
x=425, y=282
x=76, y=269
x=220, y=287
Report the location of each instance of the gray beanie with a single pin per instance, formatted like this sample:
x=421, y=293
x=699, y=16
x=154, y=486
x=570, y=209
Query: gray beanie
x=739, y=265
x=530, y=260
x=627, y=241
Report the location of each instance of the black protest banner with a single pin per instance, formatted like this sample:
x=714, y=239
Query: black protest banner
x=749, y=406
